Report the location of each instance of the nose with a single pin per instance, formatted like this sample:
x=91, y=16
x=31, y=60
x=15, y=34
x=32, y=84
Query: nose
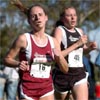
x=72, y=17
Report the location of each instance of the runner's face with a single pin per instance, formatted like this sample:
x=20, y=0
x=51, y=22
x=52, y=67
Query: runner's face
x=38, y=18
x=70, y=18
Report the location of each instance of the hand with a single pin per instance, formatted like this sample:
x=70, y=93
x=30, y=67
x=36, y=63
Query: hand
x=92, y=45
x=83, y=39
x=24, y=65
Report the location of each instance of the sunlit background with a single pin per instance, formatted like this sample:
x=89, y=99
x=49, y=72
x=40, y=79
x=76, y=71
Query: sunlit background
x=13, y=22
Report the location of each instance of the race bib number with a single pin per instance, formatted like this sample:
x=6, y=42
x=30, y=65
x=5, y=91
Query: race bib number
x=40, y=70
x=75, y=58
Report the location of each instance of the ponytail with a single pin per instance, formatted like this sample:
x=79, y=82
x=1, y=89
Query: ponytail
x=20, y=6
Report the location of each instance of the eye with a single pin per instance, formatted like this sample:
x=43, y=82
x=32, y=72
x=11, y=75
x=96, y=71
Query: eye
x=32, y=16
x=40, y=14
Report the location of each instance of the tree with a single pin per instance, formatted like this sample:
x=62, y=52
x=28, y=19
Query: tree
x=13, y=21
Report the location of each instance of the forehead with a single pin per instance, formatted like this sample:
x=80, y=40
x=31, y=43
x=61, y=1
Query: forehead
x=36, y=9
x=70, y=10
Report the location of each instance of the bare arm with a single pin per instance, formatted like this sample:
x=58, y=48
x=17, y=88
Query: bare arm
x=81, y=41
x=10, y=59
x=59, y=58
x=89, y=47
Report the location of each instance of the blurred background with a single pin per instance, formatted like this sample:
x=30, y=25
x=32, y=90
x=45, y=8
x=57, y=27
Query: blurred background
x=13, y=22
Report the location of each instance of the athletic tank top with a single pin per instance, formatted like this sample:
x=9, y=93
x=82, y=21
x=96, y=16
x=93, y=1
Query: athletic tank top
x=74, y=58
x=40, y=59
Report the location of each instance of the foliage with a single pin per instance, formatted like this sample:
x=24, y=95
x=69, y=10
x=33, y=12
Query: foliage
x=13, y=21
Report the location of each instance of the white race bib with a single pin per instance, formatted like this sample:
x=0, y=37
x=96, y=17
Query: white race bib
x=75, y=58
x=40, y=70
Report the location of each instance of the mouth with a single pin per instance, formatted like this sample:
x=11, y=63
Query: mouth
x=73, y=22
x=38, y=22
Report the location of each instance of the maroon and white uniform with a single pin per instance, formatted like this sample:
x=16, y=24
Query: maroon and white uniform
x=36, y=82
